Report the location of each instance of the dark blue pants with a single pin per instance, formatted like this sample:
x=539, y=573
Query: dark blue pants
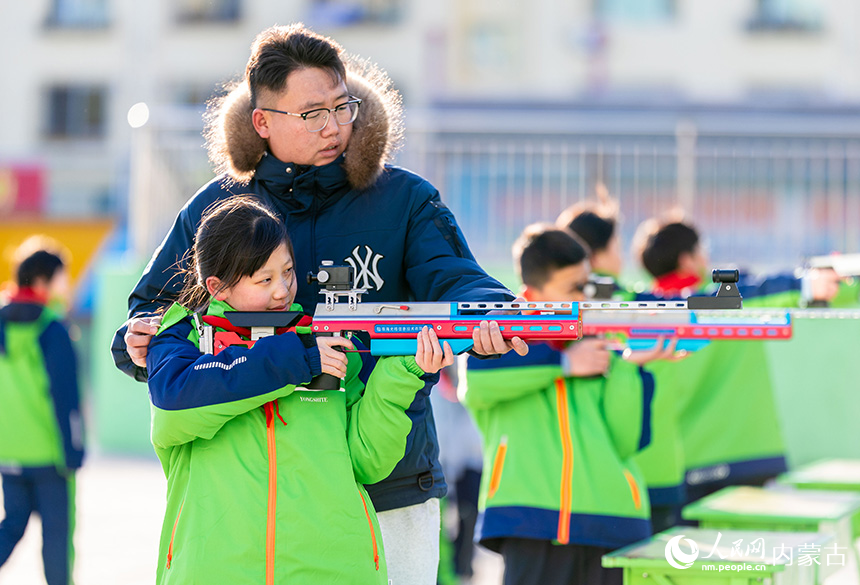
x=540, y=562
x=44, y=491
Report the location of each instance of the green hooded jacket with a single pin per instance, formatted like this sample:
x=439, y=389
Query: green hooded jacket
x=40, y=423
x=557, y=450
x=264, y=478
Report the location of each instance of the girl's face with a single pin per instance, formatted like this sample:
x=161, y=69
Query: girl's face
x=271, y=288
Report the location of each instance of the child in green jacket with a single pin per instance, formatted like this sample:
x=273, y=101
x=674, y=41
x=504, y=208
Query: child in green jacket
x=264, y=477
x=718, y=418
x=559, y=426
x=41, y=439
x=596, y=224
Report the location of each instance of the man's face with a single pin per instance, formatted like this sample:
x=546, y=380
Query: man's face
x=565, y=284
x=289, y=140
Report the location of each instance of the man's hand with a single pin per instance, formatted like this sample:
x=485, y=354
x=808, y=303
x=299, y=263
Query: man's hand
x=138, y=335
x=487, y=338
x=587, y=357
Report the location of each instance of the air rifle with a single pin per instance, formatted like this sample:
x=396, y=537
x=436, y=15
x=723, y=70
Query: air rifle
x=707, y=319
x=393, y=327
x=845, y=265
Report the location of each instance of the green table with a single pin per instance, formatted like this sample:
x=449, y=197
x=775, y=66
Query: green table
x=723, y=557
x=828, y=474
x=753, y=508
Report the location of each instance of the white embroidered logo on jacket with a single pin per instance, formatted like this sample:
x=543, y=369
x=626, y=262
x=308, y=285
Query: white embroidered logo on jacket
x=366, y=269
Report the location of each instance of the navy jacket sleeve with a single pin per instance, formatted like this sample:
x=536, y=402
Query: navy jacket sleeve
x=181, y=377
x=751, y=287
x=193, y=395
x=62, y=369
x=161, y=283
x=439, y=264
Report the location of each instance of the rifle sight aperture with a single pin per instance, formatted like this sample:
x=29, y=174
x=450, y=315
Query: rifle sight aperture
x=725, y=275
x=333, y=277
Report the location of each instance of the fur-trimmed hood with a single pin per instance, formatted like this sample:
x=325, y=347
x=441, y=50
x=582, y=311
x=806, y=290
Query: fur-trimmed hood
x=235, y=148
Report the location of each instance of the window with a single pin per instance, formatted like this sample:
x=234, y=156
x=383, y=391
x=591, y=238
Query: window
x=78, y=14
x=194, y=94
x=786, y=15
x=635, y=10
x=203, y=11
x=76, y=112
x=332, y=13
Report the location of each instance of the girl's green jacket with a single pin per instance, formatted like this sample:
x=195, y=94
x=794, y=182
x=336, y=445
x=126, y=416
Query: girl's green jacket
x=264, y=478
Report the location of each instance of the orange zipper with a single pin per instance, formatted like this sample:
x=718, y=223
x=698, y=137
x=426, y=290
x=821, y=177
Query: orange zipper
x=498, y=464
x=634, y=489
x=563, y=535
x=173, y=535
x=372, y=532
x=273, y=494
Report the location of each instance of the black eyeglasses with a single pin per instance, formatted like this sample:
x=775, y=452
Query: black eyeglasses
x=316, y=120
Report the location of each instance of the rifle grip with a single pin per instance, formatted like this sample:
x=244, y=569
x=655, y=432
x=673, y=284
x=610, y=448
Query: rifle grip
x=324, y=382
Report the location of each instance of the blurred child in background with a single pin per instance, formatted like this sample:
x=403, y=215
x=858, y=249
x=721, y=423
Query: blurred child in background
x=559, y=426
x=722, y=402
x=596, y=224
x=41, y=438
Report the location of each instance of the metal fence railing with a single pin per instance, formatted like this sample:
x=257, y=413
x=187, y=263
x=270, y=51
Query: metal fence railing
x=761, y=202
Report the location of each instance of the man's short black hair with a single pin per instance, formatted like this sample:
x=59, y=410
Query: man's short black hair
x=544, y=248
x=40, y=264
x=664, y=247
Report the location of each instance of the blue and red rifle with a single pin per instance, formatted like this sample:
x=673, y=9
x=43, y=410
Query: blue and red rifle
x=392, y=328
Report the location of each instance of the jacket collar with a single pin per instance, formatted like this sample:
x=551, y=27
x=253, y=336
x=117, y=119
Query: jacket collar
x=217, y=308
x=29, y=295
x=676, y=284
x=302, y=187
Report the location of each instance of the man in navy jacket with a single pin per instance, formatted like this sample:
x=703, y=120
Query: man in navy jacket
x=311, y=138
